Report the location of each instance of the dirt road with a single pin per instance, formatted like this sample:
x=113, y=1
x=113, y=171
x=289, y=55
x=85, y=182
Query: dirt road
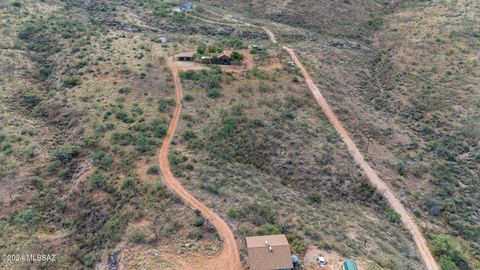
x=229, y=258
x=372, y=175
x=270, y=35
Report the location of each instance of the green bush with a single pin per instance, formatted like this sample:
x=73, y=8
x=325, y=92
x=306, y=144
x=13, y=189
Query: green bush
x=214, y=93
x=37, y=181
x=237, y=56
x=138, y=236
x=188, y=134
x=98, y=180
x=154, y=169
x=72, y=81
x=199, y=222
x=25, y=217
x=174, y=159
x=128, y=183
x=232, y=213
x=188, y=97
x=111, y=230
x=314, y=197
x=165, y=104
x=443, y=246
x=66, y=154
x=102, y=160
x=392, y=215
x=145, y=145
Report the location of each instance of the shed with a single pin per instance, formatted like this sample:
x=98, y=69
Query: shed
x=270, y=252
x=349, y=265
x=186, y=6
x=186, y=56
x=206, y=59
x=225, y=59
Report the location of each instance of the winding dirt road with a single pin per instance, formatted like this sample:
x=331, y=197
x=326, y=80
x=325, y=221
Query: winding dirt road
x=229, y=257
x=371, y=174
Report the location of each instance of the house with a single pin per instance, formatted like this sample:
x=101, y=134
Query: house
x=224, y=59
x=186, y=7
x=186, y=56
x=349, y=265
x=270, y=252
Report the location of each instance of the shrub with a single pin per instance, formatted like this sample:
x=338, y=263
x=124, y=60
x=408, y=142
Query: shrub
x=232, y=213
x=201, y=49
x=210, y=187
x=188, y=97
x=36, y=181
x=314, y=197
x=375, y=23
x=102, y=160
x=188, y=134
x=111, y=230
x=66, y=154
x=236, y=56
x=145, y=145
x=138, y=236
x=25, y=217
x=174, y=159
x=164, y=104
x=450, y=255
x=123, y=138
x=123, y=116
x=128, y=183
x=30, y=99
x=98, y=180
x=199, y=222
x=72, y=81
x=154, y=169
x=214, y=93
x=124, y=90
x=392, y=215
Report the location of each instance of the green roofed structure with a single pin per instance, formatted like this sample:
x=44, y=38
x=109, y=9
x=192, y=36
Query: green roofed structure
x=349, y=265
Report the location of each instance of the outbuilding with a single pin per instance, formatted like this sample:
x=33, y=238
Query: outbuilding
x=224, y=59
x=185, y=56
x=186, y=7
x=270, y=252
x=349, y=265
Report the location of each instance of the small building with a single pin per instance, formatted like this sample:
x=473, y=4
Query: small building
x=186, y=56
x=206, y=59
x=224, y=59
x=186, y=7
x=270, y=252
x=349, y=265
x=257, y=47
x=162, y=39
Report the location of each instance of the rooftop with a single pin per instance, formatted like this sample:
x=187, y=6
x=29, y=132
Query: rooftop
x=269, y=252
x=184, y=54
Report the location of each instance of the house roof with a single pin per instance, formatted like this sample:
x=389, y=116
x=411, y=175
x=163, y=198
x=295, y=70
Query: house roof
x=223, y=56
x=184, y=54
x=260, y=257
